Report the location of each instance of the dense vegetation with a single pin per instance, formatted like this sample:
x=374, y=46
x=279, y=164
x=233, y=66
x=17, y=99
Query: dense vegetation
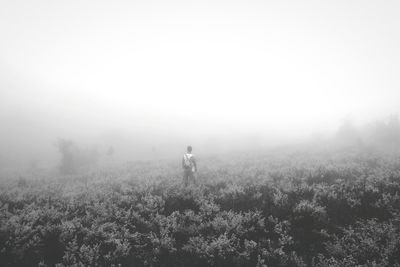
x=273, y=209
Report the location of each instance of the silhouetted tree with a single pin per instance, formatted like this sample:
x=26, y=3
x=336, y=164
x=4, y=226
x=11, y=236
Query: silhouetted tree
x=347, y=134
x=73, y=158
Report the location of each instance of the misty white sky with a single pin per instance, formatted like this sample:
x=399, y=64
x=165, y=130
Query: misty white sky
x=196, y=66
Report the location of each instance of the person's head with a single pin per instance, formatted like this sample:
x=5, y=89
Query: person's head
x=189, y=149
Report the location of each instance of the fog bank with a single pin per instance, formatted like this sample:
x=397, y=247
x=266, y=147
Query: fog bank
x=147, y=78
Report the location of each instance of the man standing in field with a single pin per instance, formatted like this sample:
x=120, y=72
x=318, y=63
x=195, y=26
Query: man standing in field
x=189, y=166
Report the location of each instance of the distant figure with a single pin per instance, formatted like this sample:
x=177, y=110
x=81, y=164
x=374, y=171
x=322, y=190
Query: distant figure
x=189, y=166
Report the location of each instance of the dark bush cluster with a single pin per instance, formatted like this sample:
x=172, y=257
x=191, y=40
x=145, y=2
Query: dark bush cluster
x=291, y=211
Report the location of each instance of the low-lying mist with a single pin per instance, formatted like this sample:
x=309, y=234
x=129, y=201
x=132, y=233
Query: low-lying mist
x=36, y=147
x=92, y=83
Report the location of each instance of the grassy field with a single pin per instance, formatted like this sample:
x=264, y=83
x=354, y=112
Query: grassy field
x=283, y=208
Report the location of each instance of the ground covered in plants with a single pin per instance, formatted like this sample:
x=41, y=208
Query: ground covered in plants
x=337, y=208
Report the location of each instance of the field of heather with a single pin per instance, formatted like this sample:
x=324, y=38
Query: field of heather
x=274, y=209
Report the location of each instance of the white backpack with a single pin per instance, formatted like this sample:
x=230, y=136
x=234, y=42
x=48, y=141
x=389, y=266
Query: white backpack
x=187, y=161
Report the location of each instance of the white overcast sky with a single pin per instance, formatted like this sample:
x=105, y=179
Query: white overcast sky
x=200, y=65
